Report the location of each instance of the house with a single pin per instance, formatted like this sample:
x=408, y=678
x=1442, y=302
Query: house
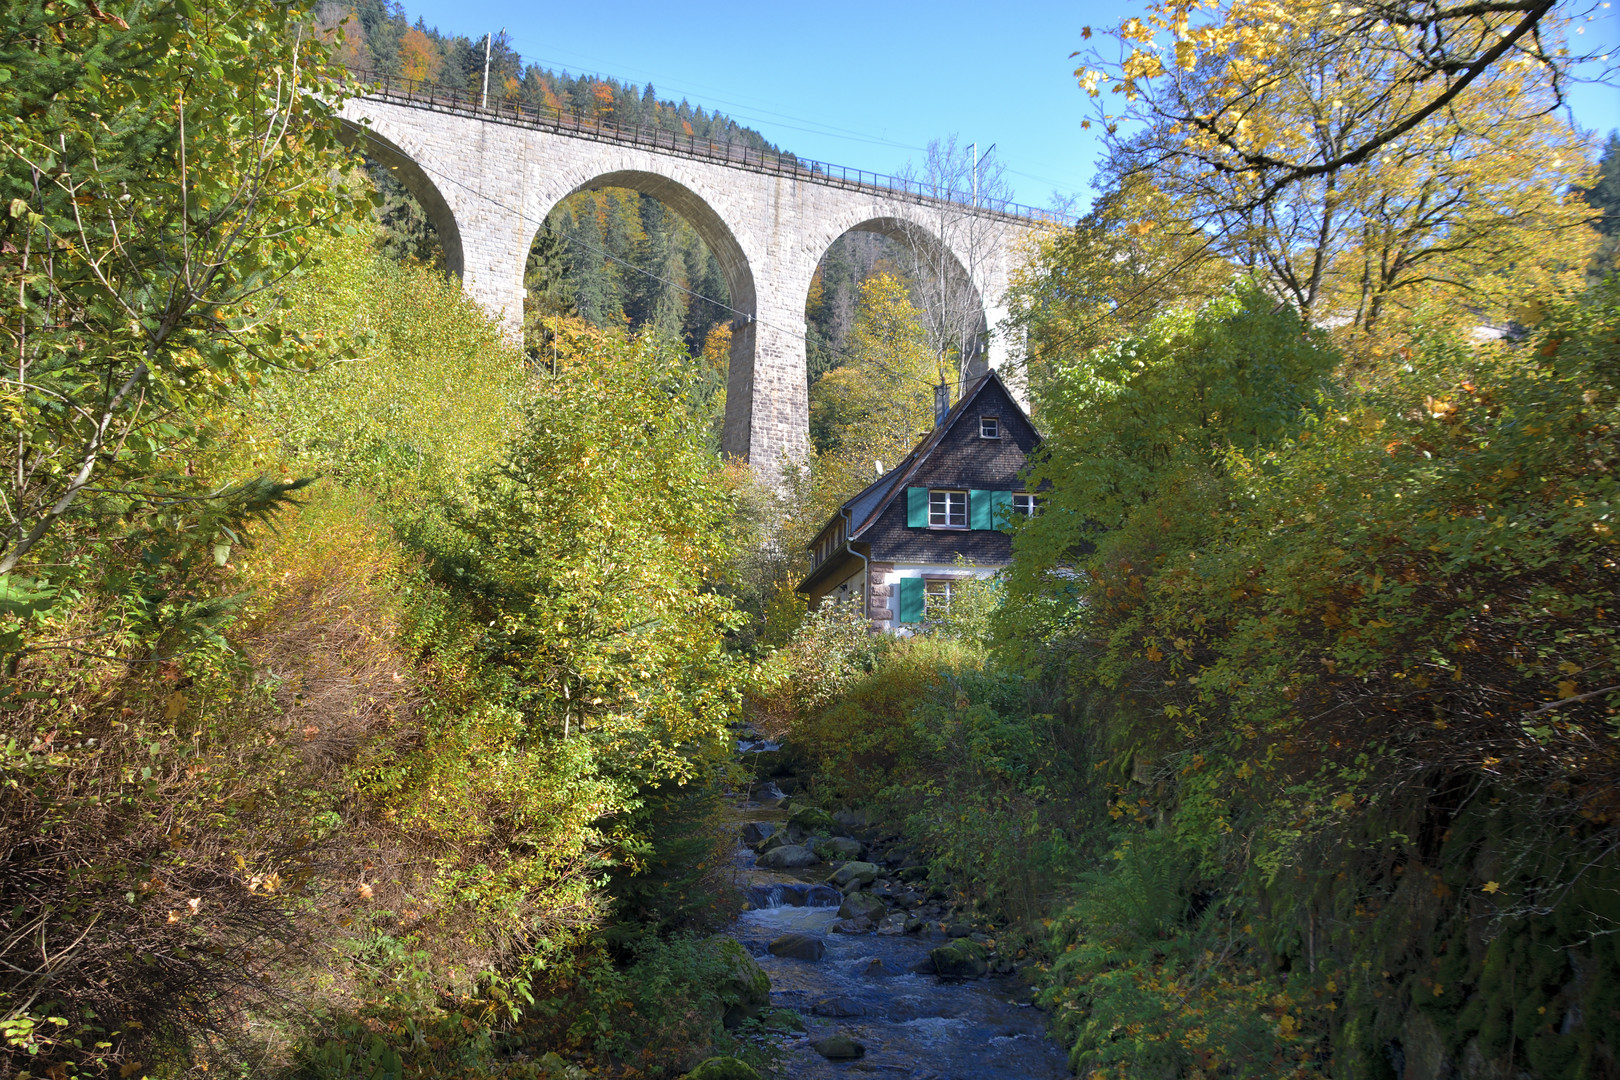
x=897, y=547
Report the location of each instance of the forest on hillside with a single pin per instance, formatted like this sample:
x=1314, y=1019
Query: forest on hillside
x=372, y=685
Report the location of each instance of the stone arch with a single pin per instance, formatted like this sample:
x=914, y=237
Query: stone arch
x=698, y=212
x=739, y=436
x=905, y=228
x=404, y=167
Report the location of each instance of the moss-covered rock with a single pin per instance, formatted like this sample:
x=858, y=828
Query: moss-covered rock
x=863, y=872
x=745, y=988
x=722, y=1068
x=839, y=1047
x=861, y=905
x=839, y=848
x=963, y=958
x=812, y=821
x=787, y=857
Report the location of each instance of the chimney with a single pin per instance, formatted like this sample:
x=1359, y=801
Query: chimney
x=942, y=403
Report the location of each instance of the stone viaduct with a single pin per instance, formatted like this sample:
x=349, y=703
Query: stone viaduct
x=487, y=177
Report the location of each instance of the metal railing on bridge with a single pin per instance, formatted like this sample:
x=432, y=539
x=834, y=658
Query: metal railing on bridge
x=427, y=95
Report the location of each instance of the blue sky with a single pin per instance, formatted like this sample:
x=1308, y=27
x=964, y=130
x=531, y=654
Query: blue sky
x=862, y=84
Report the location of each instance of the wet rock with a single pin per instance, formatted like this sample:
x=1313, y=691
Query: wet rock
x=925, y=966
x=769, y=795
x=838, y=1048
x=723, y=1069
x=963, y=958
x=894, y=925
x=772, y=842
x=838, y=1007
x=958, y=929
x=798, y=947
x=788, y=857
x=852, y=926
x=863, y=872
x=840, y=849
x=746, y=981
x=792, y=894
x=914, y=925
x=876, y=969
x=862, y=906
x=757, y=832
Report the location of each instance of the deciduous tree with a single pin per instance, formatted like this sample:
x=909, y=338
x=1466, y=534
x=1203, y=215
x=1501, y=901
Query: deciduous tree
x=163, y=169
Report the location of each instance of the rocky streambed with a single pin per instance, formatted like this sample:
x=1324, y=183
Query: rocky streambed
x=889, y=979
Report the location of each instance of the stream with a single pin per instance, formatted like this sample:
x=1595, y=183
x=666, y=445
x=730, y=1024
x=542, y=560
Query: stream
x=866, y=987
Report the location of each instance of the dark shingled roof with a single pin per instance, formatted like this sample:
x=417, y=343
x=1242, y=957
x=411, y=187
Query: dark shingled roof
x=870, y=502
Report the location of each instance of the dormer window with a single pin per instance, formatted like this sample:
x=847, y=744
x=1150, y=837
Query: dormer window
x=989, y=427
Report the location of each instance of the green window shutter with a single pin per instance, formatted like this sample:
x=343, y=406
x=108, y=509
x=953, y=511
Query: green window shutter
x=980, y=515
x=917, y=508
x=1000, y=509
x=911, y=599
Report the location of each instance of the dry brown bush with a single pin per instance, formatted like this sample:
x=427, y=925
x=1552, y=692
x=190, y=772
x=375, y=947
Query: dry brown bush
x=171, y=859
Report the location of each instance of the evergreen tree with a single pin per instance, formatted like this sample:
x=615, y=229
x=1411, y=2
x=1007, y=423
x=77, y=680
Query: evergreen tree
x=595, y=294
x=403, y=229
x=1604, y=195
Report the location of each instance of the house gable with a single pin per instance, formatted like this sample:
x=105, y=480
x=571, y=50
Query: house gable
x=870, y=549
x=960, y=459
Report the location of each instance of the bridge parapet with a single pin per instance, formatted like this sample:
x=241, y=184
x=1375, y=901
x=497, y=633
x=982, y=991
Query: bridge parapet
x=417, y=93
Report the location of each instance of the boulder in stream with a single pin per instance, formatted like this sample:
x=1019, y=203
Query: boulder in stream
x=863, y=872
x=893, y=925
x=876, y=969
x=798, y=947
x=852, y=926
x=861, y=906
x=963, y=958
x=838, y=1007
x=746, y=982
x=811, y=821
x=838, y=1048
x=723, y=1068
x=840, y=849
x=757, y=832
x=787, y=857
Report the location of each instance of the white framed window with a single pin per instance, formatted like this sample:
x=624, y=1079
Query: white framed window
x=936, y=598
x=989, y=427
x=1025, y=504
x=948, y=509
